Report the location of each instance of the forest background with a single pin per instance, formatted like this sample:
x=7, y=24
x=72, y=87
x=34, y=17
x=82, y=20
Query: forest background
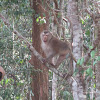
x=76, y=21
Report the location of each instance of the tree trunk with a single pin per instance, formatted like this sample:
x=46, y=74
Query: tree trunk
x=54, y=87
x=40, y=78
x=97, y=31
x=98, y=77
x=77, y=86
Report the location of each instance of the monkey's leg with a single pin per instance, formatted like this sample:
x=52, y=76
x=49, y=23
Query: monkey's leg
x=60, y=59
x=49, y=59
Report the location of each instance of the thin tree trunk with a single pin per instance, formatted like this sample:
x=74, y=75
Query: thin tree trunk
x=77, y=86
x=54, y=87
x=54, y=78
x=97, y=31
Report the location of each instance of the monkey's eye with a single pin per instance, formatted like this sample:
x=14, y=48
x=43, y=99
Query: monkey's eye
x=46, y=32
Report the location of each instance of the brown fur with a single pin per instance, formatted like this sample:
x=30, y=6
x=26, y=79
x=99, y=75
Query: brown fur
x=53, y=47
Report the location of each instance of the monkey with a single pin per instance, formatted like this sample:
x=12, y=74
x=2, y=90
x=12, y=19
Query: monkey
x=2, y=73
x=52, y=46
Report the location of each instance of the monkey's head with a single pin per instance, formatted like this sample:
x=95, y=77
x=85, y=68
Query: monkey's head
x=46, y=36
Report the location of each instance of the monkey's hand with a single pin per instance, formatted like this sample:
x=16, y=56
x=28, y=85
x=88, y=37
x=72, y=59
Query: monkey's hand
x=45, y=60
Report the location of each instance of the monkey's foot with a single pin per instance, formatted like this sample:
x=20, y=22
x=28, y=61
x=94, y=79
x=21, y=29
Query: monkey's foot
x=44, y=60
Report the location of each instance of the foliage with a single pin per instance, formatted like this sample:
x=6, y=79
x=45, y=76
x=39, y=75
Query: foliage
x=40, y=20
x=14, y=54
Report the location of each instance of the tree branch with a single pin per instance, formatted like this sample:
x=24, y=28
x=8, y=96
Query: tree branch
x=95, y=44
x=96, y=18
x=32, y=49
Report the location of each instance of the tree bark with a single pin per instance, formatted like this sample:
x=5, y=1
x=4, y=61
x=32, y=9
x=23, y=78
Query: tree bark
x=77, y=85
x=40, y=78
x=54, y=87
x=97, y=31
x=98, y=78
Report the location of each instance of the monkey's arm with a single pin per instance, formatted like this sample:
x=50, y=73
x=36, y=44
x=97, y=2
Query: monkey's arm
x=49, y=59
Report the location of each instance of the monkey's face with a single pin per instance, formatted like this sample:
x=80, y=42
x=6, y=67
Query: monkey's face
x=46, y=36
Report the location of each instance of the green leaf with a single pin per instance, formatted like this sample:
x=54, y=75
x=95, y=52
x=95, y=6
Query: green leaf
x=7, y=80
x=37, y=20
x=94, y=62
x=93, y=54
x=66, y=93
x=87, y=32
x=2, y=81
x=98, y=58
x=42, y=21
x=81, y=61
x=76, y=71
x=82, y=21
x=89, y=72
x=94, y=85
x=39, y=17
x=90, y=47
x=21, y=61
x=78, y=62
x=94, y=77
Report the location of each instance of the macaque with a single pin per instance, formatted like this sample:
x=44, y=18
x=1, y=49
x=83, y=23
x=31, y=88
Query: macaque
x=52, y=47
x=2, y=73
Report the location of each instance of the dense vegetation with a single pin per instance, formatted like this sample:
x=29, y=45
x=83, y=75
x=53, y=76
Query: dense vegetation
x=15, y=55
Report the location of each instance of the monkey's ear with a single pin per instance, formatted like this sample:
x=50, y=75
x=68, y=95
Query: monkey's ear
x=2, y=73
